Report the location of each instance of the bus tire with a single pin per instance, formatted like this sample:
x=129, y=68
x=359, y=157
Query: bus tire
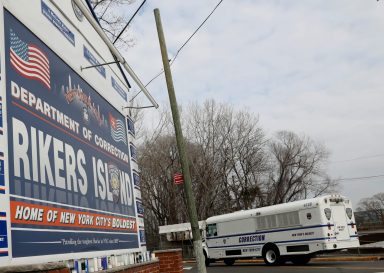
x=301, y=259
x=229, y=261
x=207, y=260
x=271, y=255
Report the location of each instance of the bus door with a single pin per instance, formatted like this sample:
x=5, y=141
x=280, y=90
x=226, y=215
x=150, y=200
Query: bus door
x=339, y=217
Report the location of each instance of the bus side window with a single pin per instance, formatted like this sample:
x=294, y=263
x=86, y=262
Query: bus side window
x=211, y=230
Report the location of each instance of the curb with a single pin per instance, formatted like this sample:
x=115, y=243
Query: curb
x=318, y=259
x=349, y=259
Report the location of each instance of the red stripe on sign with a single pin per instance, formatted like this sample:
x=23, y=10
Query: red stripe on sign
x=40, y=53
x=33, y=214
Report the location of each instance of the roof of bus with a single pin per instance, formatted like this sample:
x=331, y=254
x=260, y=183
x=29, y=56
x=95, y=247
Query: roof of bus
x=280, y=208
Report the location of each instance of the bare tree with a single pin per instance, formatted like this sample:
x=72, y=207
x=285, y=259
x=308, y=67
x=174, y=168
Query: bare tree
x=247, y=158
x=225, y=150
x=112, y=17
x=163, y=200
x=160, y=195
x=231, y=160
x=208, y=126
x=296, y=168
x=233, y=165
x=375, y=205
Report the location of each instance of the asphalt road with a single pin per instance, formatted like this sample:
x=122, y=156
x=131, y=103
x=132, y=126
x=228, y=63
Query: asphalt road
x=312, y=267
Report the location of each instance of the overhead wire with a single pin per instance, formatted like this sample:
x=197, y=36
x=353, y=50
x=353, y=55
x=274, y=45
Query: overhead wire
x=360, y=178
x=92, y=10
x=358, y=158
x=171, y=61
x=353, y=178
x=129, y=21
x=193, y=34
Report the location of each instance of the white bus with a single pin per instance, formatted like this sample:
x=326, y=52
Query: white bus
x=294, y=231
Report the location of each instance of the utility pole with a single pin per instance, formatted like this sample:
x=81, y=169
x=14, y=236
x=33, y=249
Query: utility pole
x=197, y=244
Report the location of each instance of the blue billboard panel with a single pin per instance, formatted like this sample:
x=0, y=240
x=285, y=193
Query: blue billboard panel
x=93, y=61
x=69, y=163
x=3, y=234
x=133, y=152
x=142, y=237
x=140, y=208
x=55, y=20
x=131, y=126
x=2, y=179
x=136, y=179
x=1, y=114
x=119, y=89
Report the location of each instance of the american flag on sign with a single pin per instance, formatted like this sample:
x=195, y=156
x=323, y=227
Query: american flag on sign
x=29, y=60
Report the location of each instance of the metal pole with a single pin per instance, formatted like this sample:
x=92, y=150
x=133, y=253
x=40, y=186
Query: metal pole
x=113, y=49
x=182, y=151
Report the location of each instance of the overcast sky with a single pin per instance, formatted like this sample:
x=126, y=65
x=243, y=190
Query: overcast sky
x=312, y=67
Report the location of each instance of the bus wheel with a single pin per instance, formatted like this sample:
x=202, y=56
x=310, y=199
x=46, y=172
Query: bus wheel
x=207, y=260
x=301, y=259
x=229, y=262
x=271, y=255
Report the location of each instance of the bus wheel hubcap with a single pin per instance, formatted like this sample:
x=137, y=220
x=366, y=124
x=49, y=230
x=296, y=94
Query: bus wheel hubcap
x=271, y=256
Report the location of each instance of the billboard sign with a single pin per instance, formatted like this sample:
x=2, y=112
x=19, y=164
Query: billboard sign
x=70, y=185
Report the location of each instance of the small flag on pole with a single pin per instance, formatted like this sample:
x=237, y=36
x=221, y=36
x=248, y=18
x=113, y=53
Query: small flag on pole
x=178, y=178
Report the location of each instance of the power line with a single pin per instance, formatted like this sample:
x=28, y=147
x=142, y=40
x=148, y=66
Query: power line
x=358, y=158
x=193, y=34
x=129, y=21
x=184, y=44
x=360, y=178
x=352, y=178
x=154, y=78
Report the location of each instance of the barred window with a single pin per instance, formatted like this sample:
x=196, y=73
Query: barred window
x=280, y=220
x=261, y=222
x=294, y=219
x=283, y=219
x=272, y=223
